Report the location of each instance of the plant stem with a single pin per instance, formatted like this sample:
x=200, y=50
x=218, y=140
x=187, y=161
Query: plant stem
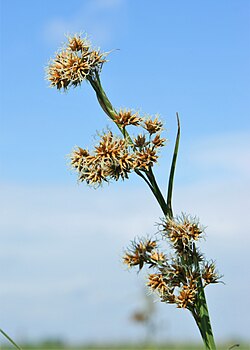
x=203, y=323
x=198, y=323
x=157, y=192
x=110, y=111
x=200, y=314
x=106, y=104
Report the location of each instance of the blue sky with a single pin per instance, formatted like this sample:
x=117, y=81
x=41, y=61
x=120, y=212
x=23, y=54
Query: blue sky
x=185, y=56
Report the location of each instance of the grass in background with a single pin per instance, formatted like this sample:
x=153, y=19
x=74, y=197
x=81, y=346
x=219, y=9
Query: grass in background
x=50, y=345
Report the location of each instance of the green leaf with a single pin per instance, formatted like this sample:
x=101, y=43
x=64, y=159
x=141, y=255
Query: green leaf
x=172, y=170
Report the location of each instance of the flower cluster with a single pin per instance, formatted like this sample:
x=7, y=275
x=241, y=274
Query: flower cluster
x=182, y=232
x=114, y=157
x=110, y=160
x=76, y=62
x=141, y=252
x=127, y=117
x=178, y=278
x=175, y=278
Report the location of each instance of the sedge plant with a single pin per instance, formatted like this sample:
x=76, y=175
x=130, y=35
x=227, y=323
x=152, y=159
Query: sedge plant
x=179, y=272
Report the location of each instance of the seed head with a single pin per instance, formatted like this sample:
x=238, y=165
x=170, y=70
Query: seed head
x=186, y=297
x=132, y=259
x=76, y=62
x=182, y=231
x=209, y=274
x=156, y=282
x=140, y=141
x=111, y=159
x=125, y=118
x=78, y=158
x=157, y=256
x=76, y=43
x=145, y=158
x=139, y=253
x=158, y=141
x=153, y=126
x=146, y=246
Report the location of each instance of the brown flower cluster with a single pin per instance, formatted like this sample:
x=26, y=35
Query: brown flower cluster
x=127, y=117
x=110, y=160
x=186, y=297
x=157, y=282
x=175, y=278
x=140, y=253
x=74, y=63
x=209, y=274
x=174, y=283
x=114, y=158
x=182, y=231
x=153, y=126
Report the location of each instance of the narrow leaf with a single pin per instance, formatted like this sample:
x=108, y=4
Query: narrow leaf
x=172, y=170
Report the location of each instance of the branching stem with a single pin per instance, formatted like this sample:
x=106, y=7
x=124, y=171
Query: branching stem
x=200, y=310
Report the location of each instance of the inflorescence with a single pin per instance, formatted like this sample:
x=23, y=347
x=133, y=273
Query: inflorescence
x=179, y=278
x=175, y=278
x=75, y=62
x=114, y=157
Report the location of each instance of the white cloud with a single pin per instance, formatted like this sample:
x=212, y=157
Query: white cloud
x=96, y=17
x=229, y=152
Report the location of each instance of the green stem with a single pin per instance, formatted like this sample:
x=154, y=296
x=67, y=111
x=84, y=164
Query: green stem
x=204, y=323
x=157, y=192
x=138, y=172
x=9, y=339
x=198, y=323
x=101, y=96
x=110, y=111
x=106, y=104
x=200, y=315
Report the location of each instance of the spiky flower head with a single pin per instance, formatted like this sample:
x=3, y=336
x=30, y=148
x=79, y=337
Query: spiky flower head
x=146, y=245
x=114, y=157
x=158, y=141
x=110, y=160
x=153, y=125
x=78, y=158
x=127, y=117
x=145, y=158
x=157, y=256
x=156, y=282
x=186, y=297
x=140, y=141
x=75, y=62
x=209, y=274
x=77, y=43
x=182, y=231
x=140, y=253
x=132, y=259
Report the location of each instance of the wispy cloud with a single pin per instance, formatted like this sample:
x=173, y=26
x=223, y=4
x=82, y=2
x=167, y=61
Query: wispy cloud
x=229, y=152
x=99, y=18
